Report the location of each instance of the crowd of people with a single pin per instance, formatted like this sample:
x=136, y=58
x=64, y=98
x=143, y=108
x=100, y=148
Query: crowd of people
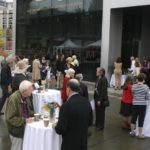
x=75, y=116
x=18, y=80
x=135, y=69
x=135, y=95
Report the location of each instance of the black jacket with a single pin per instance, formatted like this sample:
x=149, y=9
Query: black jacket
x=6, y=75
x=17, y=79
x=84, y=90
x=74, y=118
x=101, y=93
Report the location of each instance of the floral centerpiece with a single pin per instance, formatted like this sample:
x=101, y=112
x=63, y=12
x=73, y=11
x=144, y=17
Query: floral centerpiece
x=50, y=108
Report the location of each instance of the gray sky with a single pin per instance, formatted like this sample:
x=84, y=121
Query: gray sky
x=9, y=0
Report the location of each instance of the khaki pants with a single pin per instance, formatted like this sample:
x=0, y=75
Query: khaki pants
x=16, y=143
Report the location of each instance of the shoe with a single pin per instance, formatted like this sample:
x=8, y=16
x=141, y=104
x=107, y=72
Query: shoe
x=126, y=128
x=1, y=113
x=141, y=137
x=99, y=128
x=89, y=134
x=132, y=134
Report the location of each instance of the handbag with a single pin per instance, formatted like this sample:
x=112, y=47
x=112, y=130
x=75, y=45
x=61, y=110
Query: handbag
x=106, y=103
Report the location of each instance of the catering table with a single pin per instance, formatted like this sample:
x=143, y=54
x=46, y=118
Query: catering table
x=38, y=137
x=40, y=99
x=112, y=80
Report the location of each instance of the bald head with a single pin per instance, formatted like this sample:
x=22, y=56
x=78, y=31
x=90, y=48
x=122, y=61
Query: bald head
x=73, y=85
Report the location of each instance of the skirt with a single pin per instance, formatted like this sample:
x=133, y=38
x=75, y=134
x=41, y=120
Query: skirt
x=125, y=109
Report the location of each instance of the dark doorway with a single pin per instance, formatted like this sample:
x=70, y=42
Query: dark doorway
x=131, y=34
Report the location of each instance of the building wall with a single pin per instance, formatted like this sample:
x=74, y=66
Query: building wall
x=6, y=19
x=145, y=36
x=112, y=31
x=14, y=27
x=126, y=3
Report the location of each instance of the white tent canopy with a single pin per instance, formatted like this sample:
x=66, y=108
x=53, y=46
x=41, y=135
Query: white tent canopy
x=68, y=44
x=95, y=44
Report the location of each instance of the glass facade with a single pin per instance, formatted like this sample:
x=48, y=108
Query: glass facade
x=42, y=25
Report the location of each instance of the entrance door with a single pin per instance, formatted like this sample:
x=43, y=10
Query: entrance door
x=129, y=48
x=136, y=44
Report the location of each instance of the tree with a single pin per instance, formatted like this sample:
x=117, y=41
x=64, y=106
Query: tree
x=2, y=43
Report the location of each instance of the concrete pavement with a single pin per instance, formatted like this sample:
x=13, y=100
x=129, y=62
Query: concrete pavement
x=111, y=138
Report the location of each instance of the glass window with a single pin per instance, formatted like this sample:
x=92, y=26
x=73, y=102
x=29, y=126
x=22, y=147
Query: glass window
x=45, y=24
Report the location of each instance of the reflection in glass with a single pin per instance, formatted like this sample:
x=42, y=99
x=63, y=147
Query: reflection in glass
x=43, y=25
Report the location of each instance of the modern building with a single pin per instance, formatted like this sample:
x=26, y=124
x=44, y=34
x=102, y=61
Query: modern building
x=6, y=19
x=121, y=26
x=2, y=37
x=125, y=31
x=43, y=25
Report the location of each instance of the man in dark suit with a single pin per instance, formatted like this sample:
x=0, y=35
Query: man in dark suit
x=100, y=95
x=5, y=83
x=74, y=118
x=83, y=87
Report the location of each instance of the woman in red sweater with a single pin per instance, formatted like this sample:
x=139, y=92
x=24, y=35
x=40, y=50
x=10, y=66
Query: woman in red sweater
x=126, y=102
x=69, y=75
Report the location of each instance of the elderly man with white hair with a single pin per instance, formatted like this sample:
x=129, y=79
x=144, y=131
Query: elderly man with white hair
x=18, y=113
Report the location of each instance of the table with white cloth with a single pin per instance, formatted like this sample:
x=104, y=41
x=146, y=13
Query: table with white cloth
x=38, y=137
x=112, y=80
x=40, y=99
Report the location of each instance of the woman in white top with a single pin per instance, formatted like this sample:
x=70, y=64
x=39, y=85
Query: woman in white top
x=136, y=71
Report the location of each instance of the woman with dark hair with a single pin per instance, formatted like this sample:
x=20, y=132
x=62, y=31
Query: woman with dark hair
x=140, y=92
x=100, y=95
x=126, y=102
x=118, y=73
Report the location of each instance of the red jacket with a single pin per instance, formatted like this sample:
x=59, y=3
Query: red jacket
x=63, y=93
x=127, y=95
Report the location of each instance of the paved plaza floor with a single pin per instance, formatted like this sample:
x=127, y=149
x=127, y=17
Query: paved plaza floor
x=111, y=138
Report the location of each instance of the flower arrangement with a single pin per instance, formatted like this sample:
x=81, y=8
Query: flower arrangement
x=50, y=107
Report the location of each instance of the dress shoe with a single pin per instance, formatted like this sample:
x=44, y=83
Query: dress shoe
x=99, y=128
x=126, y=128
x=1, y=113
x=89, y=134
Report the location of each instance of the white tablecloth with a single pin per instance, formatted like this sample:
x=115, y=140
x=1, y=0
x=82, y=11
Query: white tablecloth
x=38, y=137
x=112, y=80
x=39, y=99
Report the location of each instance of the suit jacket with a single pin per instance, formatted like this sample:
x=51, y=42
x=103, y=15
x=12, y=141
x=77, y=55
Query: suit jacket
x=6, y=75
x=101, y=85
x=74, y=118
x=84, y=90
x=17, y=79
